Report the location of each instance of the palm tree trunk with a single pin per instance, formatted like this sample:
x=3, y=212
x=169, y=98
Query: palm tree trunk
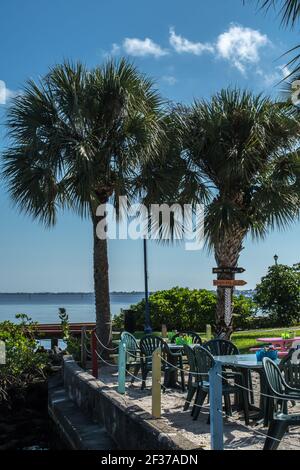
x=227, y=253
x=102, y=299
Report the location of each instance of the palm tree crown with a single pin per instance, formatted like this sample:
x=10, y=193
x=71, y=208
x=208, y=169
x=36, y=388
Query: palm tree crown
x=241, y=149
x=77, y=139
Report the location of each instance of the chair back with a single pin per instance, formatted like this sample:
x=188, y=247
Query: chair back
x=204, y=362
x=192, y=334
x=190, y=354
x=132, y=347
x=290, y=369
x=221, y=347
x=274, y=377
x=149, y=344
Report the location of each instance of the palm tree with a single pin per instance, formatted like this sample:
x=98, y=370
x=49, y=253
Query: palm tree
x=76, y=138
x=289, y=10
x=241, y=150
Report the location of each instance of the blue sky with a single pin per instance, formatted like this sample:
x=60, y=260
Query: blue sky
x=191, y=49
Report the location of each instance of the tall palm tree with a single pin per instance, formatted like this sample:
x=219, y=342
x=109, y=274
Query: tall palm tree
x=76, y=138
x=241, y=150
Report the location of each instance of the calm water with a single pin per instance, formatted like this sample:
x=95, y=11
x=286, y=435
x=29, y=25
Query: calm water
x=43, y=308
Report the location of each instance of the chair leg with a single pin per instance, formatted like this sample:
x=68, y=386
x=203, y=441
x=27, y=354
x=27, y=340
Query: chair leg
x=250, y=386
x=227, y=404
x=190, y=394
x=135, y=372
x=144, y=378
x=277, y=430
x=181, y=373
x=200, y=399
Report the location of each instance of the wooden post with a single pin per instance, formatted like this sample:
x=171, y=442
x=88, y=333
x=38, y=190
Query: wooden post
x=94, y=355
x=208, y=332
x=122, y=367
x=164, y=331
x=83, y=346
x=216, y=418
x=156, y=383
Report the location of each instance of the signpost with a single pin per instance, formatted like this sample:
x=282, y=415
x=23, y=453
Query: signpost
x=229, y=283
x=228, y=270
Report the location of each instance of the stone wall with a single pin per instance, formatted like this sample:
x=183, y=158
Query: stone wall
x=131, y=428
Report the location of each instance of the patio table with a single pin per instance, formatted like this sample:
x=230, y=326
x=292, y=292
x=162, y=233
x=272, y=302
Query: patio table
x=283, y=344
x=244, y=363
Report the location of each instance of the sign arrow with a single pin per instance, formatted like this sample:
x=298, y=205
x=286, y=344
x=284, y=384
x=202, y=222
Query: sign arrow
x=228, y=270
x=229, y=283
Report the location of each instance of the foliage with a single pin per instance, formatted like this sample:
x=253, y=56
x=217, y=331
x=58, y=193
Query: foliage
x=73, y=344
x=278, y=295
x=290, y=14
x=25, y=362
x=184, y=309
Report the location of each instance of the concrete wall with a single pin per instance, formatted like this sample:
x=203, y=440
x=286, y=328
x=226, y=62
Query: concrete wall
x=131, y=428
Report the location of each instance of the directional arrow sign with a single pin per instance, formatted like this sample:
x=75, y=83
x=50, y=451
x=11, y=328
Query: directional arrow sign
x=228, y=270
x=229, y=283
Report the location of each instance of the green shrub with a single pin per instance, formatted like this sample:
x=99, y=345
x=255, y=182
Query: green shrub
x=24, y=361
x=184, y=309
x=278, y=295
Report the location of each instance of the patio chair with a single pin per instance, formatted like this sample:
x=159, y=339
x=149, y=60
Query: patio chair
x=282, y=392
x=193, y=378
x=148, y=345
x=132, y=354
x=192, y=334
x=222, y=347
x=290, y=371
x=204, y=362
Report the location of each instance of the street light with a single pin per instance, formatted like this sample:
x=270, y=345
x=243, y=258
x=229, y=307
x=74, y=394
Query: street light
x=276, y=260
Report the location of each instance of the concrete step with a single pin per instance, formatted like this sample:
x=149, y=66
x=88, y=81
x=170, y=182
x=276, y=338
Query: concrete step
x=75, y=428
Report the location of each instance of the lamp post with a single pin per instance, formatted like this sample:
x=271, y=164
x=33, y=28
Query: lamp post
x=276, y=257
x=147, y=327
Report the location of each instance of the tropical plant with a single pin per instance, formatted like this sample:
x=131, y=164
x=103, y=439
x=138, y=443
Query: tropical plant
x=76, y=136
x=73, y=344
x=24, y=361
x=278, y=295
x=238, y=151
x=289, y=10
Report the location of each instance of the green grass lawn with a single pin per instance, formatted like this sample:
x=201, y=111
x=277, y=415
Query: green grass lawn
x=245, y=340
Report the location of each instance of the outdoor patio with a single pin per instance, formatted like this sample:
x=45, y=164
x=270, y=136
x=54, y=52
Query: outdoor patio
x=237, y=436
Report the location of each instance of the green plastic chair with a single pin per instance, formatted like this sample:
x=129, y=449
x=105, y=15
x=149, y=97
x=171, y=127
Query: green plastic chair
x=290, y=371
x=132, y=354
x=204, y=362
x=282, y=393
x=148, y=345
x=193, y=379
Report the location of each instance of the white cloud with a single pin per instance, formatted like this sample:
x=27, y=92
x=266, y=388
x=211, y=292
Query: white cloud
x=5, y=93
x=181, y=45
x=142, y=47
x=240, y=46
x=169, y=79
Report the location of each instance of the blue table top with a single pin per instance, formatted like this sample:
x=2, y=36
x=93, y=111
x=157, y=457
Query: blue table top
x=243, y=360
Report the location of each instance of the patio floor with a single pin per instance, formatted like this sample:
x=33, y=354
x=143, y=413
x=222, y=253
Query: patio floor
x=237, y=436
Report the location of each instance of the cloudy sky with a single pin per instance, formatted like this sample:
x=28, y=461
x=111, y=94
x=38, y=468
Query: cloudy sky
x=191, y=49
